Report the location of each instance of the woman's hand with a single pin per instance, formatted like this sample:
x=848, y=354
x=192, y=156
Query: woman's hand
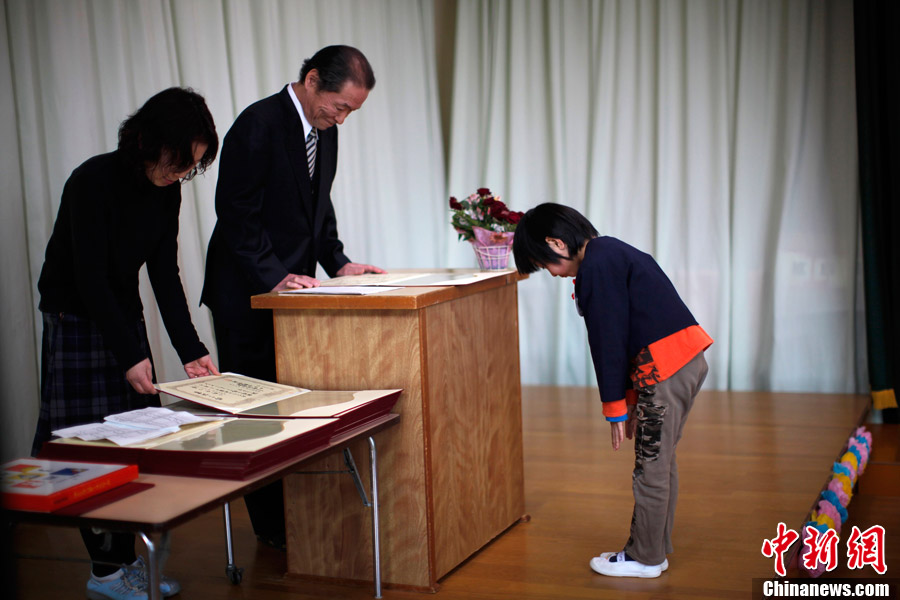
x=140, y=376
x=200, y=367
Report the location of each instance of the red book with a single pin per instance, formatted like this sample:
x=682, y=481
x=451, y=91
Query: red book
x=47, y=485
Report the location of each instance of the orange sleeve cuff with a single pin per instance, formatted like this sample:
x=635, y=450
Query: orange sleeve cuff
x=614, y=409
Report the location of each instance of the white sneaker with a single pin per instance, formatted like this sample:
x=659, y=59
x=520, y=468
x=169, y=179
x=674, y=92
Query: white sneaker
x=619, y=567
x=664, y=565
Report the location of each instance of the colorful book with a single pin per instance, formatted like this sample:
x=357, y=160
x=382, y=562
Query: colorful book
x=47, y=485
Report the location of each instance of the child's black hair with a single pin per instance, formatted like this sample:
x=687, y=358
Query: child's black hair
x=530, y=247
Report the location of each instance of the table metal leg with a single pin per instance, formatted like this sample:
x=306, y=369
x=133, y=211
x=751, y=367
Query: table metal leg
x=376, y=542
x=234, y=573
x=156, y=558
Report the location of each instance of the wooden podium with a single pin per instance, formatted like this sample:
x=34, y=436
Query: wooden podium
x=451, y=474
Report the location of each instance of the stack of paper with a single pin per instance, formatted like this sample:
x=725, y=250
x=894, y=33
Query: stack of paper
x=133, y=427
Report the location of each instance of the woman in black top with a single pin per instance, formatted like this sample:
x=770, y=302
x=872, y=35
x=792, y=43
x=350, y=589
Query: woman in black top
x=118, y=212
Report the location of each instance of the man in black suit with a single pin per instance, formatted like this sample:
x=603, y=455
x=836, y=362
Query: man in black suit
x=276, y=220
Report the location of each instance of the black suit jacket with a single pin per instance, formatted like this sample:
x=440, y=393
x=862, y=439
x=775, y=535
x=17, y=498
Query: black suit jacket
x=272, y=220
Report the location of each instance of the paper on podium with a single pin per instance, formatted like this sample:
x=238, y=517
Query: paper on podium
x=443, y=277
x=369, y=279
x=347, y=290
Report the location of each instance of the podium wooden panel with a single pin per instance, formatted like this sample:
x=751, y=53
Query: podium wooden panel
x=451, y=473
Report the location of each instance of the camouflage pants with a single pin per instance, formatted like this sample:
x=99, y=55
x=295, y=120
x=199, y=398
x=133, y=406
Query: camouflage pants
x=661, y=413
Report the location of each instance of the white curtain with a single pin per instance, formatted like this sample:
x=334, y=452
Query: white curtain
x=72, y=70
x=720, y=136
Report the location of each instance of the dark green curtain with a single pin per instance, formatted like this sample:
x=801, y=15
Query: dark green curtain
x=877, y=31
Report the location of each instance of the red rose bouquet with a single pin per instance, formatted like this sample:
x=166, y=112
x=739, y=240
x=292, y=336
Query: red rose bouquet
x=485, y=221
x=482, y=209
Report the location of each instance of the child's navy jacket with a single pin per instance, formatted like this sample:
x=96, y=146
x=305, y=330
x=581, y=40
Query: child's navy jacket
x=639, y=330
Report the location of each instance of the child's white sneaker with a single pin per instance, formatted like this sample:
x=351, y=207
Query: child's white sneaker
x=663, y=565
x=617, y=564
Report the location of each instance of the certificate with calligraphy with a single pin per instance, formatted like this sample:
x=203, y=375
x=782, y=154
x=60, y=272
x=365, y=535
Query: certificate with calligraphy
x=229, y=392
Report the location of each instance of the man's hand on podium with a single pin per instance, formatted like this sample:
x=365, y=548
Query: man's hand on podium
x=293, y=282
x=358, y=269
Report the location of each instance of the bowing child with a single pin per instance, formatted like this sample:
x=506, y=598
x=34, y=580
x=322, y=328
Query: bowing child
x=647, y=349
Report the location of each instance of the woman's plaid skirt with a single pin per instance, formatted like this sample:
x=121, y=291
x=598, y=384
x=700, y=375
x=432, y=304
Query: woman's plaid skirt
x=81, y=381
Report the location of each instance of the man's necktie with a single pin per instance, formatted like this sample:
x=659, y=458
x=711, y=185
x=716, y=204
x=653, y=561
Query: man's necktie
x=311, y=152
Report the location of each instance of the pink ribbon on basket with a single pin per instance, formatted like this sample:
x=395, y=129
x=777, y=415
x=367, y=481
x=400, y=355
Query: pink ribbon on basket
x=486, y=237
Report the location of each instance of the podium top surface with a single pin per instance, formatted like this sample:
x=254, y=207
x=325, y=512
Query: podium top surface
x=405, y=298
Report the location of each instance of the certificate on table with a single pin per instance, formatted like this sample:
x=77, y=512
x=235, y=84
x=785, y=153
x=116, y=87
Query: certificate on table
x=229, y=392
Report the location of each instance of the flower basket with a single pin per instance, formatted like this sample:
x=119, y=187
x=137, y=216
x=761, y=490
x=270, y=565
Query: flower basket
x=491, y=248
x=484, y=221
x=492, y=258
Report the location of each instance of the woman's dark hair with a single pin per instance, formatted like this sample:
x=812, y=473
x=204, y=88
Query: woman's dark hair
x=336, y=65
x=169, y=122
x=530, y=247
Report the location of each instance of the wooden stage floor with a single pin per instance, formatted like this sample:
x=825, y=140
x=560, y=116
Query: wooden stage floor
x=747, y=461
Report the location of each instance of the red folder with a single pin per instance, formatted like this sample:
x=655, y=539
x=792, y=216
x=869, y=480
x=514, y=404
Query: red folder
x=237, y=449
